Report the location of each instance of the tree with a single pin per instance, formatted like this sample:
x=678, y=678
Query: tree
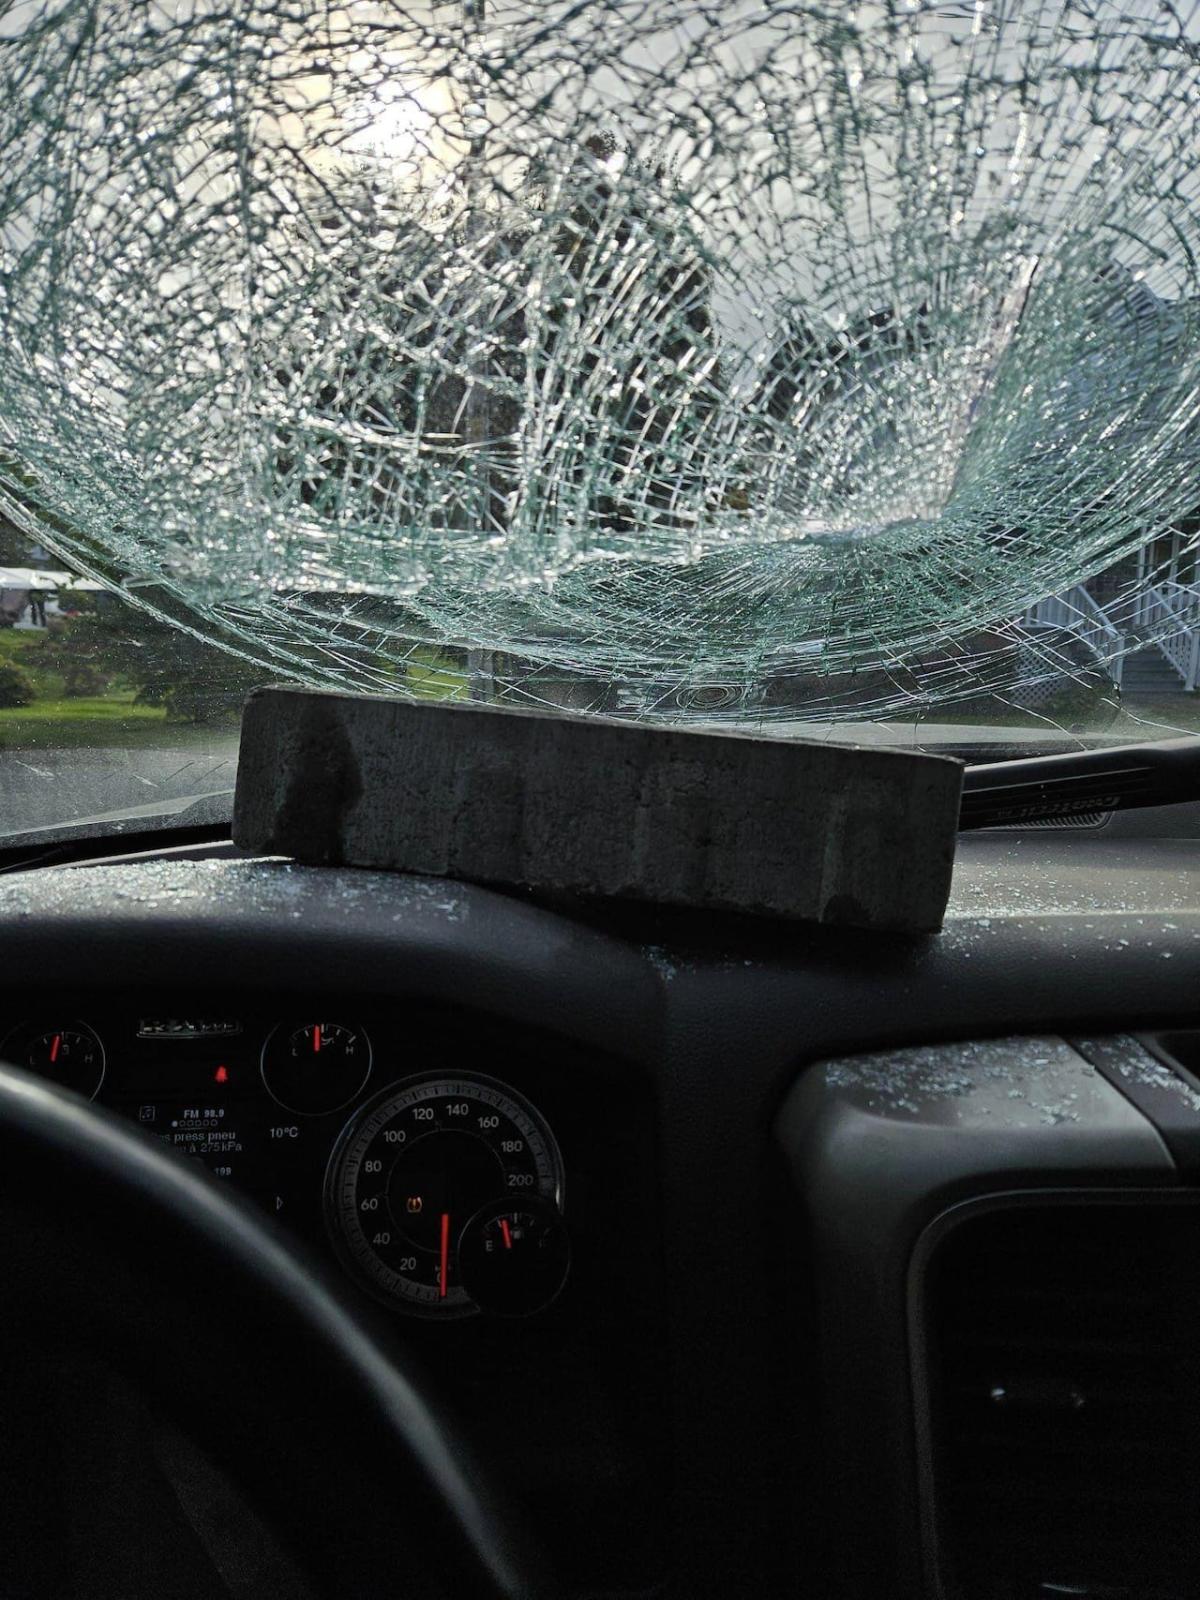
x=548, y=356
x=16, y=687
x=107, y=642
x=82, y=649
x=813, y=401
x=627, y=365
x=15, y=547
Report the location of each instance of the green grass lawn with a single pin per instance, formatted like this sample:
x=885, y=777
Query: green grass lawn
x=75, y=724
x=56, y=721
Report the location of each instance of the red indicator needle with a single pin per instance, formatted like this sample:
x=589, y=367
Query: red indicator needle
x=316, y=1038
x=54, y=1044
x=507, y=1233
x=445, y=1272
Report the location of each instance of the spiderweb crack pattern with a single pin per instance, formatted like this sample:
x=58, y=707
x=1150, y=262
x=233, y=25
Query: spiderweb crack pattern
x=780, y=361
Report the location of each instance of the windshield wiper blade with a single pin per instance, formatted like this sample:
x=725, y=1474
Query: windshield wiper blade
x=1004, y=793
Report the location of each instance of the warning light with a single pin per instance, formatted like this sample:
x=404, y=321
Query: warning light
x=414, y=1204
x=221, y=1075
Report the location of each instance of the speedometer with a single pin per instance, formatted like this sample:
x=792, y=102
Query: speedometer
x=415, y=1165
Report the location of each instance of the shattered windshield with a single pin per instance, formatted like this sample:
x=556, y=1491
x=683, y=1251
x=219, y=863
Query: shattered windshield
x=825, y=369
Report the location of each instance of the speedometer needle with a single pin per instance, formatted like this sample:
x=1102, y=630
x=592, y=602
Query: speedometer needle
x=445, y=1272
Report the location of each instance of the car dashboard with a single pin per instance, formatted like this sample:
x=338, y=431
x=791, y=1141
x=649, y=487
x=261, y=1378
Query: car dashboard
x=853, y=1265
x=490, y=1195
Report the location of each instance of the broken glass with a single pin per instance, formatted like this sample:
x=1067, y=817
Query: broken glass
x=762, y=362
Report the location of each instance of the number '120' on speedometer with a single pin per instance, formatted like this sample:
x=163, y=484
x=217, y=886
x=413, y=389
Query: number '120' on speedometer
x=414, y=1166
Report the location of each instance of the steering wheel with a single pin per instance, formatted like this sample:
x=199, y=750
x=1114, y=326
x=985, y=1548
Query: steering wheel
x=243, y=1345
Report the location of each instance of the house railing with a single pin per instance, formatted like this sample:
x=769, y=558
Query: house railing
x=1080, y=613
x=1174, y=608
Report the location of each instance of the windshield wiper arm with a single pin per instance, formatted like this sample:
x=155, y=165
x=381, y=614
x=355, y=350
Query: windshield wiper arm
x=1002, y=793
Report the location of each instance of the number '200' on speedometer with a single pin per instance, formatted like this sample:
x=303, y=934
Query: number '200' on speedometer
x=411, y=1169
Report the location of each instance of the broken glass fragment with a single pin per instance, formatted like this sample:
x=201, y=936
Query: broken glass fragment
x=751, y=362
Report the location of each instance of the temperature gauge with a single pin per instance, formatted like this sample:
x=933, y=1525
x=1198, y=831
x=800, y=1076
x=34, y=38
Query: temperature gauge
x=514, y=1259
x=69, y=1054
x=316, y=1067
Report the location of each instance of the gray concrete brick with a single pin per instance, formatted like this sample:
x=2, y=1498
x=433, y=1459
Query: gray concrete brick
x=826, y=833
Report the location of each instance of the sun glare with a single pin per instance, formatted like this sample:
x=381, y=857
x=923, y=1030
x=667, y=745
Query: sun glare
x=394, y=123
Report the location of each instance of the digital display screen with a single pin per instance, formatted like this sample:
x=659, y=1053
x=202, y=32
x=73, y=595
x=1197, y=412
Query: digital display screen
x=199, y=1109
x=209, y=1132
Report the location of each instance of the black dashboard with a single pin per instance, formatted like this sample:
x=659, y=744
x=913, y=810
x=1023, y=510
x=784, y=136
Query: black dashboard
x=490, y=1197
x=390, y=1139
x=734, y=1391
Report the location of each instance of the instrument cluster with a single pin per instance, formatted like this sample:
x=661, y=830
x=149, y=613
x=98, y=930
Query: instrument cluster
x=440, y=1189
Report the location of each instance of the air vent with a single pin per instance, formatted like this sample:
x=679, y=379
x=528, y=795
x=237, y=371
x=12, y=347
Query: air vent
x=1063, y=1344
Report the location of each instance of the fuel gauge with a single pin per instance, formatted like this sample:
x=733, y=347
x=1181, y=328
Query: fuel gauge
x=513, y=1259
